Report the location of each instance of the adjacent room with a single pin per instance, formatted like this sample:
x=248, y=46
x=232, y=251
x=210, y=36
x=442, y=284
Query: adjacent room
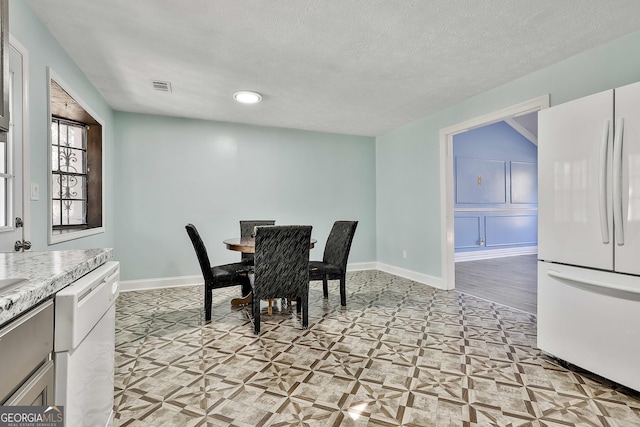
x=297, y=213
x=496, y=211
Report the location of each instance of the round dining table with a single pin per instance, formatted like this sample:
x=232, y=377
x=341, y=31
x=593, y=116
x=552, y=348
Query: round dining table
x=247, y=245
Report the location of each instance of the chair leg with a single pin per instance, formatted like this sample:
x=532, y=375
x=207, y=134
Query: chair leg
x=305, y=310
x=343, y=290
x=207, y=303
x=325, y=286
x=298, y=305
x=256, y=315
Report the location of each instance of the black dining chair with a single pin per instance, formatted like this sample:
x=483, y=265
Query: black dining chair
x=281, y=268
x=334, y=261
x=246, y=230
x=219, y=276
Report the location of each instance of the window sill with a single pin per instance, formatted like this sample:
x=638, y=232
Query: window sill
x=58, y=236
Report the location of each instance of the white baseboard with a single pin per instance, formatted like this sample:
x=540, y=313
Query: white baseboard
x=176, y=282
x=159, y=283
x=495, y=253
x=360, y=266
x=195, y=280
x=433, y=281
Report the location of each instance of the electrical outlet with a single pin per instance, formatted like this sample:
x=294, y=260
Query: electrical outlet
x=404, y=253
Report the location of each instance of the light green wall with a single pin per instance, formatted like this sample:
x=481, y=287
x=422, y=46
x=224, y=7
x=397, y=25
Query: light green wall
x=407, y=159
x=44, y=51
x=160, y=163
x=172, y=171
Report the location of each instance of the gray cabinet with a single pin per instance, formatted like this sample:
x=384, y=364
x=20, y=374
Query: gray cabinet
x=37, y=390
x=4, y=65
x=26, y=369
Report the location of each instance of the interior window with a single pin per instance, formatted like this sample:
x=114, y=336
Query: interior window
x=76, y=167
x=69, y=173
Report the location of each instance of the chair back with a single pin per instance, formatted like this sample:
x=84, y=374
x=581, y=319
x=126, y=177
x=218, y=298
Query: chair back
x=246, y=230
x=246, y=226
x=336, y=251
x=201, y=252
x=282, y=261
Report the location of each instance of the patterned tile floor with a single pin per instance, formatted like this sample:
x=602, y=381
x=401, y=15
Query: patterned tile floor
x=399, y=354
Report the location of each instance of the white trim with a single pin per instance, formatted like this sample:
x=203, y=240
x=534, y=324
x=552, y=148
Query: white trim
x=435, y=282
x=26, y=162
x=72, y=235
x=446, y=176
x=26, y=151
x=195, y=280
x=495, y=209
x=447, y=267
x=63, y=237
x=495, y=253
x=522, y=131
x=164, y=282
x=360, y=266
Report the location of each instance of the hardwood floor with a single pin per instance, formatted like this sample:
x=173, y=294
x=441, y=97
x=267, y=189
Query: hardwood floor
x=511, y=281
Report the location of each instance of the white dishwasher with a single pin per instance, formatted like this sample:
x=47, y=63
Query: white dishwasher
x=84, y=347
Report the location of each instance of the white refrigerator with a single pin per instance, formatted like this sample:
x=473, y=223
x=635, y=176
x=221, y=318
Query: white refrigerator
x=589, y=233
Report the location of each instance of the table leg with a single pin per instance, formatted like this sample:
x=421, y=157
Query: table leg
x=236, y=302
x=246, y=291
x=245, y=284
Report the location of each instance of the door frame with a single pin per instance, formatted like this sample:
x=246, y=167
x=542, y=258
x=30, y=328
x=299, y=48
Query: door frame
x=446, y=176
x=26, y=159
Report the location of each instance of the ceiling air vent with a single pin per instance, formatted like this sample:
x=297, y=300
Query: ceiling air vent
x=161, y=86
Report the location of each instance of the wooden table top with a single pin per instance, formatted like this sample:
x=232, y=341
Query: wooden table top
x=248, y=244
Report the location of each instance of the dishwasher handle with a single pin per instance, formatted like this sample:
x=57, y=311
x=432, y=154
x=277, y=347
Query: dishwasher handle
x=106, y=280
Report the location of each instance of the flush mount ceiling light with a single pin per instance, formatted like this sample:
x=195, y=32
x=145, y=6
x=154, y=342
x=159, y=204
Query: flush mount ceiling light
x=247, y=97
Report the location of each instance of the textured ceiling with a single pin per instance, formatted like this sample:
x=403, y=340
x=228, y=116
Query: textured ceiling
x=360, y=67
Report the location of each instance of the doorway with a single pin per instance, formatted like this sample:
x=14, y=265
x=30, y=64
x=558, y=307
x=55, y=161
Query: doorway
x=447, y=175
x=15, y=199
x=496, y=211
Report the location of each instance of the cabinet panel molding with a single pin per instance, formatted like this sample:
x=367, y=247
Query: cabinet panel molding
x=511, y=230
x=480, y=181
x=467, y=232
x=524, y=183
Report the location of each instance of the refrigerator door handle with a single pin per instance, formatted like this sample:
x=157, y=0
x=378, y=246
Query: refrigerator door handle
x=617, y=182
x=604, y=148
x=590, y=282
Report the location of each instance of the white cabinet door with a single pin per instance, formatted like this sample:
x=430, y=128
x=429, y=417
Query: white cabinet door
x=627, y=252
x=574, y=211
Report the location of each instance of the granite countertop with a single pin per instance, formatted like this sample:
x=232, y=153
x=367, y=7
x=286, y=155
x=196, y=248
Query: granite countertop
x=47, y=272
